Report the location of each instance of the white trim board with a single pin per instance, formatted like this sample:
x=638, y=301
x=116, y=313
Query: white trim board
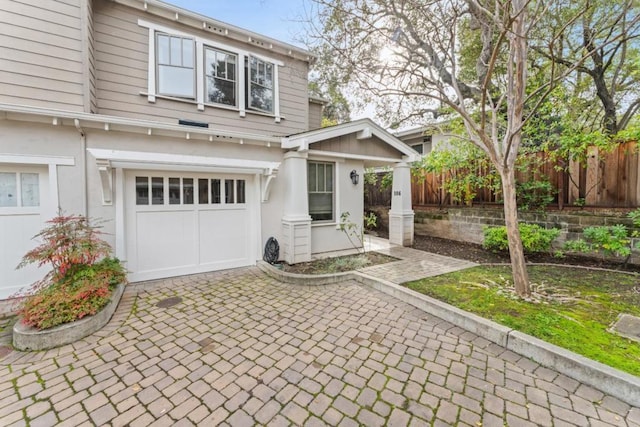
x=89, y=120
x=364, y=128
x=37, y=160
x=136, y=159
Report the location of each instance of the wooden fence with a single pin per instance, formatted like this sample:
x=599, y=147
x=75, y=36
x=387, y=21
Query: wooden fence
x=604, y=180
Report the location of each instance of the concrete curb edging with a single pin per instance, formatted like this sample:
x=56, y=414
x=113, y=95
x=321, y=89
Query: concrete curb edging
x=611, y=381
x=26, y=338
x=304, y=279
x=479, y=325
x=614, y=382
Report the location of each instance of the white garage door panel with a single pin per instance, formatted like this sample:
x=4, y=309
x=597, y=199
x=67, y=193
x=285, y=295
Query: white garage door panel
x=224, y=236
x=165, y=240
x=183, y=223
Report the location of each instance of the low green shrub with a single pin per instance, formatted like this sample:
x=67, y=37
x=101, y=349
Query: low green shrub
x=607, y=239
x=534, y=238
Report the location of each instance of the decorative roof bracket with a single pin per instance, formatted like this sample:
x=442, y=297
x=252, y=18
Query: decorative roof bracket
x=106, y=179
x=267, y=180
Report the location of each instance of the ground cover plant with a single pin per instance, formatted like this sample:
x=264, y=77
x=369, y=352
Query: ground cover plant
x=608, y=240
x=570, y=307
x=339, y=264
x=81, y=278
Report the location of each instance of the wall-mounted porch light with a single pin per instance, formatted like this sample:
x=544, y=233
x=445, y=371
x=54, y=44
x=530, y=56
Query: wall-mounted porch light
x=354, y=177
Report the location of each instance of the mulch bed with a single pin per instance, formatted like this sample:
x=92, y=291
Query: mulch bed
x=476, y=253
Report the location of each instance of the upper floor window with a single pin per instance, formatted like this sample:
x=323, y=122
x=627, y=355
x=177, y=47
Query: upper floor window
x=205, y=72
x=176, y=70
x=260, y=85
x=221, y=76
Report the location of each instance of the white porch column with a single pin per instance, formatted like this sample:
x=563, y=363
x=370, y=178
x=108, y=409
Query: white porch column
x=401, y=213
x=296, y=222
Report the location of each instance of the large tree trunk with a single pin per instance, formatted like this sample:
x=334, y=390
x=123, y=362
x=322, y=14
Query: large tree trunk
x=516, y=253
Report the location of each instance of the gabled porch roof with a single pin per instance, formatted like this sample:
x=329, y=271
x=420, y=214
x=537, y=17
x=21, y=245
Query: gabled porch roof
x=364, y=130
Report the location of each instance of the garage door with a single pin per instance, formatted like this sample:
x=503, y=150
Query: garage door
x=188, y=223
x=23, y=199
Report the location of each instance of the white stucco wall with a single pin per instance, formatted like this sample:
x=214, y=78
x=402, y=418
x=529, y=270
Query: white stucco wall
x=35, y=139
x=47, y=140
x=22, y=138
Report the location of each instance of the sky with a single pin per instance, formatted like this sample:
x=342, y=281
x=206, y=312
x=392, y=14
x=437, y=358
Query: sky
x=283, y=20
x=278, y=19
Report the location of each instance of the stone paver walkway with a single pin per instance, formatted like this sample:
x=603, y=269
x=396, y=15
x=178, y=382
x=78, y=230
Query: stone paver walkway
x=243, y=349
x=414, y=265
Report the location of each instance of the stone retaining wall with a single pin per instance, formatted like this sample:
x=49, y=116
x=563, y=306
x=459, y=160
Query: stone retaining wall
x=466, y=224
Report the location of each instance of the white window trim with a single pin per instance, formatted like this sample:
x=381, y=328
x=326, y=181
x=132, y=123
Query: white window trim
x=52, y=163
x=157, y=63
x=199, y=66
x=274, y=77
x=334, y=195
x=20, y=208
x=204, y=70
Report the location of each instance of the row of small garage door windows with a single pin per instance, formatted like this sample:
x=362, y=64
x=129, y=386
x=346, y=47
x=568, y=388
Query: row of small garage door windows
x=180, y=191
x=19, y=189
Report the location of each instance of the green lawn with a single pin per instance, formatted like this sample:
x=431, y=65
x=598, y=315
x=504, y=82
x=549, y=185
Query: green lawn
x=574, y=310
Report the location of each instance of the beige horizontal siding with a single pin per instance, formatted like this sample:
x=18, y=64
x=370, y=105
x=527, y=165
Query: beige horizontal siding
x=40, y=87
x=110, y=72
x=39, y=25
x=41, y=53
x=44, y=10
x=365, y=147
x=23, y=70
x=315, y=116
x=19, y=56
x=121, y=62
x=112, y=103
x=64, y=8
x=40, y=97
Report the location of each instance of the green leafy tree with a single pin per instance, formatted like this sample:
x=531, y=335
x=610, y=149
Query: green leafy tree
x=404, y=58
x=600, y=42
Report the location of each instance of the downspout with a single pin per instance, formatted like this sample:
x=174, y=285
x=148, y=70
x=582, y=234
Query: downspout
x=83, y=147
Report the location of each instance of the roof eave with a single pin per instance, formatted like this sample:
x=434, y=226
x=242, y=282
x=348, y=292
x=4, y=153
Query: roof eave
x=114, y=123
x=363, y=127
x=203, y=22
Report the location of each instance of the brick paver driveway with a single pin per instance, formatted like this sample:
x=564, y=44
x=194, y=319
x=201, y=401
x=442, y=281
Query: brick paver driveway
x=243, y=349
